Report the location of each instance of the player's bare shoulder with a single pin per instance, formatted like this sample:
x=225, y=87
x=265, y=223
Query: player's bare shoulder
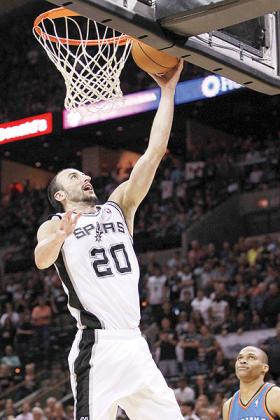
x=47, y=228
x=272, y=401
x=226, y=409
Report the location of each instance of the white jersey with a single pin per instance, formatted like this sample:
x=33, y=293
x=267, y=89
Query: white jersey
x=100, y=272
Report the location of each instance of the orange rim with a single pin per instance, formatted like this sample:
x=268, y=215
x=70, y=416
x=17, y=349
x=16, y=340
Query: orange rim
x=61, y=12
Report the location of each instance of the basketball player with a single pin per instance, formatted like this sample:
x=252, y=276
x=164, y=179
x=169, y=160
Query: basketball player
x=255, y=399
x=91, y=247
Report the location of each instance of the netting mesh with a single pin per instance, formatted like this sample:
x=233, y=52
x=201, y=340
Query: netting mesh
x=91, y=73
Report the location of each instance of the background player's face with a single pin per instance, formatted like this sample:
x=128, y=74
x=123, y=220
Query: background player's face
x=77, y=186
x=250, y=364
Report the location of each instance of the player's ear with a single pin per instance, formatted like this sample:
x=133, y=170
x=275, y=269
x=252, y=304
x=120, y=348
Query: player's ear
x=265, y=368
x=60, y=195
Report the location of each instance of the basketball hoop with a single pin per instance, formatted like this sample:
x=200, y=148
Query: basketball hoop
x=89, y=55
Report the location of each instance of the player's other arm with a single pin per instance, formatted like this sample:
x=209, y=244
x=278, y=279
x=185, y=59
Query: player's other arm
x=51, y=236
x=130, y=194
x=226, y=408
x=272, y=401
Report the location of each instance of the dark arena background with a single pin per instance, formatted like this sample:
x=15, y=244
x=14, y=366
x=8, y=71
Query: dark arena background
x=207, y=234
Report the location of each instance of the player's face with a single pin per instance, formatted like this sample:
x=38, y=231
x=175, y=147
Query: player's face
x=249, y=365
x=77, y=186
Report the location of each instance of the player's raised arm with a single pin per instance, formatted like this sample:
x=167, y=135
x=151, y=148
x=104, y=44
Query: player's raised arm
x=130, y=194
x=51, y=236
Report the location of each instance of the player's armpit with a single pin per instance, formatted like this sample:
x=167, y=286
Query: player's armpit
x=226, y=408
x=272, y=401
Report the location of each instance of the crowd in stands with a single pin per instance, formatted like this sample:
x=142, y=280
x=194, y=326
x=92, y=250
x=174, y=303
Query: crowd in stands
x=183, y=192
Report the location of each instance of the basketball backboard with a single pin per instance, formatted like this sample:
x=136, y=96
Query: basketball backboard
x=247, y=53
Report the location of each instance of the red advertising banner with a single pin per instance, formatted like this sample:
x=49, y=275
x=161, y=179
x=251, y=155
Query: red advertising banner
x=26, y=128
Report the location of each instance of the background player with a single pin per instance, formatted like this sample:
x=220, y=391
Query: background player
x=255, y=399
x=91, y=247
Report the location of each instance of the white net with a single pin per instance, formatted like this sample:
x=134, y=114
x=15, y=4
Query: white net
x=91, y=72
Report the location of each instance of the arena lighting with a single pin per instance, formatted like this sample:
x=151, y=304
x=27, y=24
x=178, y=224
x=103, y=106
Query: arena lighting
x=148, y=100
x=263, y=203
x=25, y=128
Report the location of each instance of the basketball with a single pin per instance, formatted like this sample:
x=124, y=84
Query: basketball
x=152, y=60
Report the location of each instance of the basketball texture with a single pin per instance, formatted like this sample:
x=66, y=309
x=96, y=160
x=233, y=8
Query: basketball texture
x=152, y=60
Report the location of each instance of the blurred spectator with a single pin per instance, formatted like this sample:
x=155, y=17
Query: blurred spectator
x=58, y=412
x=166, y=349
x=9, y=410
x=10, y=314
x=28, y=386
x=221, y=370
x=6, y=377
x=182, y=324
x=7, y=331
x=202, y=304
x=203, y=364
x=188, y=411
x=10, y=358
x=272, y=347
x=253, y=252
x=183, y=392
x=271, y=305
x=38, y=413
x=50, y=404
x=156, y=290
x=202, y=390
x=195, y=254
x=219, y=310
x=41, y=318
x=185, y=303
x=202, y=401
x=47, y=413
x=26, y=413
x=69, y=411
x=189, y=342
x=208, y=343
x=24, y=336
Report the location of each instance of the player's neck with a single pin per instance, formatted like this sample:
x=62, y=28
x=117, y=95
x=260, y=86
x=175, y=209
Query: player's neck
x=81, y=207
x=248, y=389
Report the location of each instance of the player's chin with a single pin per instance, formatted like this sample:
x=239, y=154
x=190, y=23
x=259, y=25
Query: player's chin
x=88, y=193
x=89, y=197
x=242, y=373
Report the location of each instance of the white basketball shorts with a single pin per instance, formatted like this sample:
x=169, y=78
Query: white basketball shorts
x=111, y=368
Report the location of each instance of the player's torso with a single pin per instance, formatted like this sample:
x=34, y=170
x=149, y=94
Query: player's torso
x=256, y=408
x=98, y=261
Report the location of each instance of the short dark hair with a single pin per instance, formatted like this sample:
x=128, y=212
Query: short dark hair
x=53, y=187
x=188, y=404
